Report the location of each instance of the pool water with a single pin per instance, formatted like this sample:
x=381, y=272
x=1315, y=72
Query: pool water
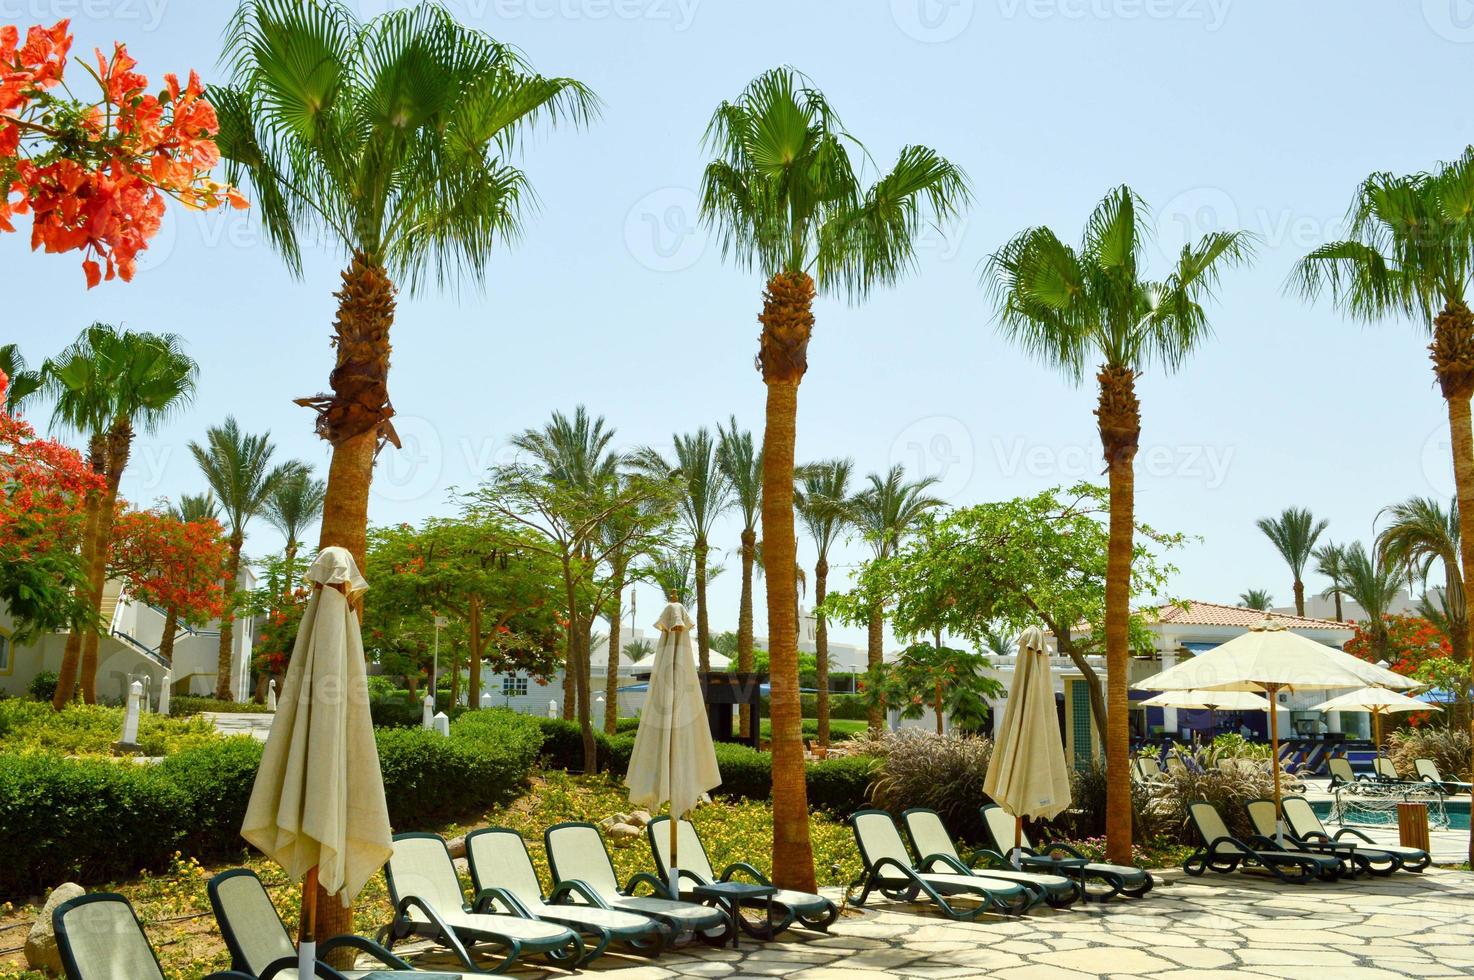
x=1458, y=814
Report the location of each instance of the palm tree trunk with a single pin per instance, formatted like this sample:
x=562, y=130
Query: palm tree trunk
x=874, y=658
x=1299, y=588
x=787, y=320
x=1340, y=618
x=1452, y=352
x=744, y=621
x=119, y=442
x=473, y=680
x=71, y=658
x=1119, y=417
x=227, y=620
x=611, y=672
x=703, y=624
x=821, y=649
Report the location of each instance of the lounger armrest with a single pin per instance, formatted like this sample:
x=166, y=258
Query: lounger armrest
x=908, y=873
x=574, y=886
x=1261, y=843
x=987, y=858
x=1239, y=848
x=661, y=888
x=1055, y=845
x=1316, y=836
x=487, y=898
x=742, y=867
x=364, y=945
x=320, y=968
x=928, y=864
x=1353, y=832
x=447, y=934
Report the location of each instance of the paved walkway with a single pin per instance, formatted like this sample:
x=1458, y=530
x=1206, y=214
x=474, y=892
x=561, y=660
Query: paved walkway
x=1187, y=929
x=257, y=724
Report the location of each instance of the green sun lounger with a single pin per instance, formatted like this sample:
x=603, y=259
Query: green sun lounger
x=1304, y=823
x=98, y=937
x=930, y=839
x=1119, y=879
x=1223, y=853
x=1261, y=814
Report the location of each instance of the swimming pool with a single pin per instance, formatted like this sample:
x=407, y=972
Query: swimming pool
x=1458, y=814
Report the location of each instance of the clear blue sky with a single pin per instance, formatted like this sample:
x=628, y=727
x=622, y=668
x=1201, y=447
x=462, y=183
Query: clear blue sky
x=1222, y=113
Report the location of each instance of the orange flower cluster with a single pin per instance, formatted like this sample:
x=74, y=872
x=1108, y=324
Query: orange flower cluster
x=44, y=485
x=94, y=177
x=170, y=563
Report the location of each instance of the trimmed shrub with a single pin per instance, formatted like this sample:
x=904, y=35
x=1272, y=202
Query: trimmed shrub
x=615, y=753
x=42, y=686
x=562, y=746
x=32, y=726
x=746, y=772
x=841, y=785
x=429, y=777
x=85, y=820
x=184, y=705
x=217, y=778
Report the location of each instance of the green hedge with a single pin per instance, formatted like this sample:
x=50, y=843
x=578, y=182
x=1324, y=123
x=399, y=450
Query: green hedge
x=184, y=705
x=94, y=820
x=846, y=707
x=841, y=785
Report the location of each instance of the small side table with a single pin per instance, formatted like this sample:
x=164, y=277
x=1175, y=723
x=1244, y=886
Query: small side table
x=728, y=896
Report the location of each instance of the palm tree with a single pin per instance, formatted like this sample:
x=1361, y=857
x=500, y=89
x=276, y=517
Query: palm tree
x=391, y=138
x=1293, y=535
x=109, y=383
x=23, y=382
x=638, y=650
x=670, y=570
x=1420, y=532
x=822, y=497
x=295, y=504
x=1328, y=562
x=191, y=509
x=237, y=467
x=885, y=512
x=705, y=492
x=1373, y=581
x=742, y=465
x=1410, y=253
x=1256, y=599
x=1070, y=306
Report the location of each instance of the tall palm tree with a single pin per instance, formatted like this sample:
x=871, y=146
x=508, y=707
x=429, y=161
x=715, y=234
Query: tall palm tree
x=23, y=382
x=885, y=511
x=237, y=467
x=1373, y=581
x=1410, y=253
x=1329, y=559
x=295, y=504
x=784, y=198
x=705, y=493
x=390, y=137
x=1070, y=306
x=1421, y=531
x=191, y=509
x=1256, y=599
x=1293, y=535
x=110, y=383
x=742, y=464
x=822, y=497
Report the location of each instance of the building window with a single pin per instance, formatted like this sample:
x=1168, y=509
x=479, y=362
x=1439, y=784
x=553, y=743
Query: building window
x=5, y=665
x=514, y=687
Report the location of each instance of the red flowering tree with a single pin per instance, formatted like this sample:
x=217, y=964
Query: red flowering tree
x=1410, y=642
x=43, y=486
x=95, y=175
x=175, y=565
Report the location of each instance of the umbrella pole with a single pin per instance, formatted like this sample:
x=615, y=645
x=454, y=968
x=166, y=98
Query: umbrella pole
x=1274, y=760
x=1377, y=731
x=1018, y=842
x=307, y=948
x=675, y=863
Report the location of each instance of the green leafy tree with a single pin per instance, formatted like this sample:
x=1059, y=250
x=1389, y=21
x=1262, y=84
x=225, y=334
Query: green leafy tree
x=390, y=138
x=1293, y=535
x=1070, y=306
x=952, y=683
x=825, y=508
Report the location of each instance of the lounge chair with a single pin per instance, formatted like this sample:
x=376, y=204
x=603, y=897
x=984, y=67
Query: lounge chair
x=1304, y=823
x=1222, y=852
x=1119, y=879
x=98, y=937
x=260, y=945
x=790, y=907
x=1428, y=772
x=576, y=852
x=930, y=839
x=1175, y=765
x=1261, y=814
x=427, y=898
x=1148, y=770
x=887, y=868
x=498, y=857
x=1385, y=771
x=1342, y=774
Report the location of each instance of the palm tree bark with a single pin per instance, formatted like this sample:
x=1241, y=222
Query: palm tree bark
x=1452, y=353
x=1299, y=589
x=1119, y=418
x=788, y=321
x=119, y=442
x=703, y=625
x=874, y=658
x=227, y=620
x=821, y=650
x=744, y=621
x=71, y=658
x=611, y=672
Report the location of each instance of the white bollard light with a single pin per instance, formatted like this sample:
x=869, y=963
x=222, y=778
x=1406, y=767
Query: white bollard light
x=486, y=699
x=552, y=709
x=164, y=687
x=271, y=695
x=427, y=714
x=441, y=723
x=129, y=741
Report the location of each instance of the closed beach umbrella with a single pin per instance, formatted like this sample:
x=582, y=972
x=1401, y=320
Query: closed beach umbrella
x=317, y=808
x=1027, y=775
x=1376, y=701
x=1270, y=658
x=673, y=760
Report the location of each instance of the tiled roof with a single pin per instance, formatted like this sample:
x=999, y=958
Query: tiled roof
x=1199, y=613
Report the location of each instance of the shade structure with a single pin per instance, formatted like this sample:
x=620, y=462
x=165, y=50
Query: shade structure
x=1270, y=658
x=1027, y=775
x=1210, y=700
x=1376, y=701
x=317, y=807
x=673, y=759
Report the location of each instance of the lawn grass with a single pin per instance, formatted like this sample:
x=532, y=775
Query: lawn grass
x=839, y=728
